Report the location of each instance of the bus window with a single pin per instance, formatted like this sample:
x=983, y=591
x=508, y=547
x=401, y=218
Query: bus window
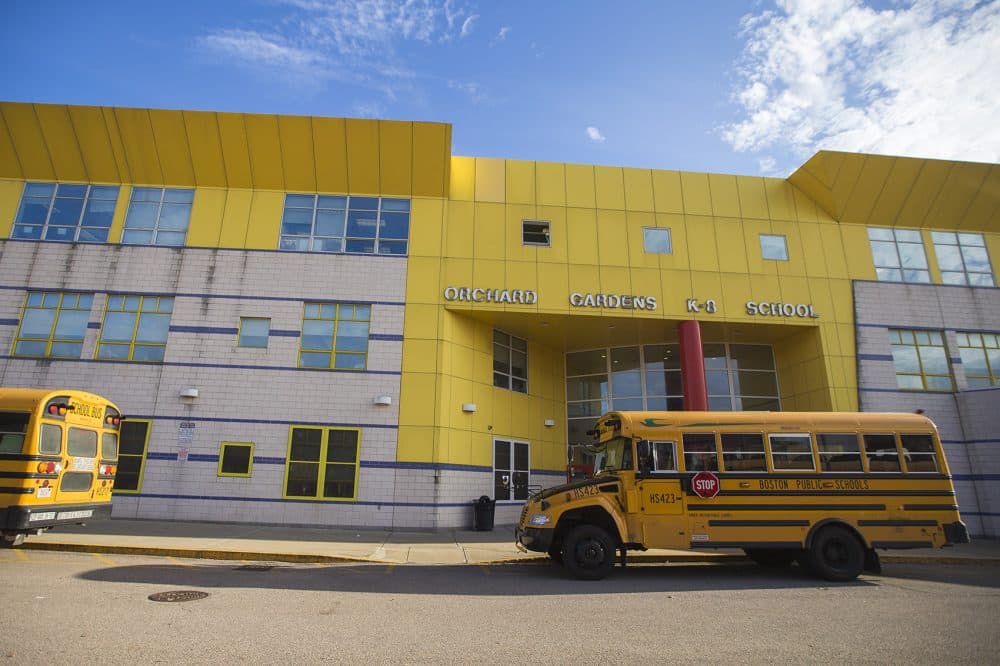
x=12, y=428
x=109, y=446
x=882, y=453
x=50, y=439
x=82, y=443
x=663, y=457
x=839, y=452
x=792, y=452
x=743, y=452
x=919, y=453
x=700, y=452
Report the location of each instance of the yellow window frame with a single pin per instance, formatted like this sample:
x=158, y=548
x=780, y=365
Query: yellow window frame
x=337, y=318
x=903, y=337
x=321, y=464
x=132, y=344
x=63, y=296
x=144, y=456
x=222, y=454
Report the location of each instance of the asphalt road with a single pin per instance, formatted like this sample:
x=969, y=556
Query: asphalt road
x=84, y=608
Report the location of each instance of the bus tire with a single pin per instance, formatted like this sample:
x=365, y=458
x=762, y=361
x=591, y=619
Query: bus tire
x=588, y=552
x=771, y=557
x=836, y=554
x=555, y=554
x=11, y=539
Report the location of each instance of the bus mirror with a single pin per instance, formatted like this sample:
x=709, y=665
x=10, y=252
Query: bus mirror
x=644, y=453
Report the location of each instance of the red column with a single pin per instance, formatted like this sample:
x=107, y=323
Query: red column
x=692, y=367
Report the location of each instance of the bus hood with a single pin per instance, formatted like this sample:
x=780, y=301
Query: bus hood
x=555, y=490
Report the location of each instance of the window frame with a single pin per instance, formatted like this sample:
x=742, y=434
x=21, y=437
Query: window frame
x=155, y=229
x=859, y=452
x=133, y=343
x=924, y=270
x=509, y=375
x=223, y=446
x=763, y=453
x=656, y=457
x=966, y=348
x=648, y=231
x=239, y=333
x=544, y=230
x=321, y=463
x=867, y=457
x=937, y=241
x=764, y=250
x=716, y=456
x=897, y=338
x=511, y=469
x=337, y=320
x=312, y=238
x=52, y=340
x=115, y=490
x=932, y=454
x=774, y=457
x=78, y=227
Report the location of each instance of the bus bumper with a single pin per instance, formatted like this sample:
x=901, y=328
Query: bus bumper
x=20, y=518
x=956, y=532
x=535, y=539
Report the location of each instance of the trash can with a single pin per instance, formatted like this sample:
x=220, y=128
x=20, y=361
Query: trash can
x=483, y=511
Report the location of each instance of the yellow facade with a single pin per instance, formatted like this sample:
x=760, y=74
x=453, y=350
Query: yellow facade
x=466, y=231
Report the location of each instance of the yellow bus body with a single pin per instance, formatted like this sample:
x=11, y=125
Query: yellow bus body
x=789, y=487
x=58, y=458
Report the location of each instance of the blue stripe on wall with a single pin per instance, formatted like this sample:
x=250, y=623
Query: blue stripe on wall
x=210, y=419
x=224, y=366
x=976, y=477
x=279, y=333
x=385, y=336
x=9, y=322
x=970, y=441
x=221, y=330
x=874, y=357
x=94, y=324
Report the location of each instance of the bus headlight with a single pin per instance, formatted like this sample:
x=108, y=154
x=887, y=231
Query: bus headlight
x=539, y=519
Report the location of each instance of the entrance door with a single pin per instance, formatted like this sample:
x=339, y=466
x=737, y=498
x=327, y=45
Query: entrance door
x=511, y=464
x=661, y=500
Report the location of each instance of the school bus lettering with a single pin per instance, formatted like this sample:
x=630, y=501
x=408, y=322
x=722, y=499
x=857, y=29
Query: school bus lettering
x=829, y=491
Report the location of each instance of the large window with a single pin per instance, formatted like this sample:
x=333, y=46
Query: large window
x=741, y=378
x=511, y=470
x=921, y=360
x=132, y=446
x=158, y=216
x=962, y=258
x=335, y=336
x=980, y=358
x=898, y=255
x=135, y=328
x=65, y=212
x=54, y=325
x=356, y=225
x=510, y=362
x=322, y=463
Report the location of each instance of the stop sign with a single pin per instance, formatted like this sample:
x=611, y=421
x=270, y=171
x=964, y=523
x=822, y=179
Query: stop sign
x=705, y=485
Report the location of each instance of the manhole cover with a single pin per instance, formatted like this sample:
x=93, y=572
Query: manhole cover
x=178, y=595
x=255, y=567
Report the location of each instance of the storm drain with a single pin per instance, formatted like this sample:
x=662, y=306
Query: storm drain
x=255, y=567
x=178, y=595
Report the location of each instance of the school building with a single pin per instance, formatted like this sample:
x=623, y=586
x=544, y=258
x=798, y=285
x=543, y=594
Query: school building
x=328, y=321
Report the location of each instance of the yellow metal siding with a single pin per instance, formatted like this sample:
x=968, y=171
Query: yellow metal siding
x=10, y=199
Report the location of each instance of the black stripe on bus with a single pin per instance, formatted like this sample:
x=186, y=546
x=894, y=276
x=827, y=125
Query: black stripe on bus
x=27, y=475
x=930, y=507
x=897, y=523
x=844, y=493
x=758, y=523
x=793, y=545
x=22, y=456
x=15, y=491
x=786, y=507
x=902, y=544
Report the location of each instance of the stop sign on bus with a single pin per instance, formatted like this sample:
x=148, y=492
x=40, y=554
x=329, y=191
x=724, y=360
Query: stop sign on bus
x=705, y=485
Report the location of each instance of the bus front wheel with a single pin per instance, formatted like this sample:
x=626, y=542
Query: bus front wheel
x=588, y=552
x=836, y=554
x=11, y=539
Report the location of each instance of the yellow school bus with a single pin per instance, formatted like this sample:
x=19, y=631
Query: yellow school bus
x=58, y=458
x=823, y=489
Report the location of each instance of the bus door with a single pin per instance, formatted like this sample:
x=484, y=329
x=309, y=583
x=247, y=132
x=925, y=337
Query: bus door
x=661, y=500
x=79, y=469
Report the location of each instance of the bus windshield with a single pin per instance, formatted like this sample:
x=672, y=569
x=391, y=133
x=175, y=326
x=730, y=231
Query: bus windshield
x=617, y=456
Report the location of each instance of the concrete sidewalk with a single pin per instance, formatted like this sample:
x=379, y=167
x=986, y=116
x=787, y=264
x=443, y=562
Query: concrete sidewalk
x=225, y=541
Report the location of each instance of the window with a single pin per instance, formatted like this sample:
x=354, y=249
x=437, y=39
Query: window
x=962, y=258
x=109, y=446
x=741, y=378
x=839, y=452
x=664, y=457
x=82, y=443
x=135, y=328
x=700, y=452
x=921, y=361
x=656, y=240
x=881, y=452
x=773, y=247
x=54, y=325
x=50, y=439
x=511, y=470
x=13, y=427
x=65, y=212
x=322, y=463
x=334, y=336
x=133, y=442
x=235, y=458
x=898, y=255
x=918, y=451
x=510, y=362
x=357, y=225
x=791, y=452
x=158, y=216
x=743, y=452
x=253, y=332
x=980, y=358
x=535, y=232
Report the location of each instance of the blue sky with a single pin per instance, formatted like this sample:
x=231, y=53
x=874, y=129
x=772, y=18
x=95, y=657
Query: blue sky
x=721, y=86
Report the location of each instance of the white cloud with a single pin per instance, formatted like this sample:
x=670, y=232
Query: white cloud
x=467, y=25
x=918, y=79
x=473, y=90
x=502, y=35
x=595, y=135
x=266, y=49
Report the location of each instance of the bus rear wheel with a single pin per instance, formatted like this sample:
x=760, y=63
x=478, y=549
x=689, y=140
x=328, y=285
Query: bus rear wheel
x=836, y=554
x=772, y=557
x=588, y=552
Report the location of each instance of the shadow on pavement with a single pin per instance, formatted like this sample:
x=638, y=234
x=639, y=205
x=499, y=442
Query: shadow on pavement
x=493, y=580
x=985, y=574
